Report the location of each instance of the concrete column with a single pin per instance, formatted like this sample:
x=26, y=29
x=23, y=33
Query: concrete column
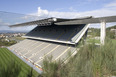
x=103, y=32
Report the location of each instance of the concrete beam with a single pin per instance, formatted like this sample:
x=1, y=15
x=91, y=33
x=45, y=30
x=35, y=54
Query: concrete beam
x=103, y=32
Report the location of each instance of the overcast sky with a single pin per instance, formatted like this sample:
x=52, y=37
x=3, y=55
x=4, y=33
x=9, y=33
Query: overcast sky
x=11, y=11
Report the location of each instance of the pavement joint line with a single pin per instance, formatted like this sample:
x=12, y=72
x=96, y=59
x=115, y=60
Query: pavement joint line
x=40, y=50
x=26, y=48
x=34, y=48
x=62, y=53
x=32, y=45
x=19, y=44
x=49, y=52
x=26, y=45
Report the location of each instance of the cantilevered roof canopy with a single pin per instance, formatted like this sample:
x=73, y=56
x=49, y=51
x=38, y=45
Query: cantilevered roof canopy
x=48, y=21
x=89, y=21
x=60, y=21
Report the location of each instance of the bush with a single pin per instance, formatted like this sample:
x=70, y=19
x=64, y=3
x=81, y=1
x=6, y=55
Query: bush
x=90, y=61
x=50, y=68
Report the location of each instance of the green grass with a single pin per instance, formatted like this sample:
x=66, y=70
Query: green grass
x=6, y=57
x=17, y=38
x=89, y=40
x=114, y=41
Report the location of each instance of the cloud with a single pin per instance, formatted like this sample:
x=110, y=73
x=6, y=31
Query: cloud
x=5, y=26
x=112, y=4
x=107, y=10
x=72, y=9
x=42, y=13
x=3, y=23
x=27, y=17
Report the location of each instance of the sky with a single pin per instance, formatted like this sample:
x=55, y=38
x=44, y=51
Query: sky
x=10, y=10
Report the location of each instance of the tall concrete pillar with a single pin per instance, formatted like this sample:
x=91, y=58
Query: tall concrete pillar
x=103, y=32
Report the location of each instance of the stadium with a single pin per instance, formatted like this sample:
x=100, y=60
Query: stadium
x=54, y=37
